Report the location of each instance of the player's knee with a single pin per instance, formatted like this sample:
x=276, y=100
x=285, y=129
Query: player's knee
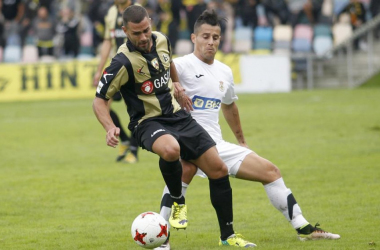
x=273, y=171
x=170, y=153
x=219, y=170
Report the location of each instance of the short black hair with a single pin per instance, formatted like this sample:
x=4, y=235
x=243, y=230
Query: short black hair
x=208, y=17
x=134, y=14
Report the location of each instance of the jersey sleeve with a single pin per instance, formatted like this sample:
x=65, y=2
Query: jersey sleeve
x=179, y=65
x=114, y=76
x=230, y=95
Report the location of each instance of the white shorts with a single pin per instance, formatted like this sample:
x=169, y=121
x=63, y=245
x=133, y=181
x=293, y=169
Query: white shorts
x=232, y=155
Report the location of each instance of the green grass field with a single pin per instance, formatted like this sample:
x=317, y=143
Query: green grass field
x=61, y=189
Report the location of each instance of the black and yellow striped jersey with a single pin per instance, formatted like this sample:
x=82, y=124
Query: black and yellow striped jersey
x=113, y=23
x=143, y=79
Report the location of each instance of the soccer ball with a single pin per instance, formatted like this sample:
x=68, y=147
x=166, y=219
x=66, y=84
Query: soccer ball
x=149, y=230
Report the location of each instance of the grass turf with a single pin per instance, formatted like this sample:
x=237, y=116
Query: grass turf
x=61, y=189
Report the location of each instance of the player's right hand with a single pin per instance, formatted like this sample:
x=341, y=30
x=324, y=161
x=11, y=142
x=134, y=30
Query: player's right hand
x=112, y=137
x=182, y=98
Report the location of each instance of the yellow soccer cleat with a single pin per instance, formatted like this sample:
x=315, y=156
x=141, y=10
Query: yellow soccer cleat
x=236, y=240
x=178, y=216
x=130, y=158
x=123, y=150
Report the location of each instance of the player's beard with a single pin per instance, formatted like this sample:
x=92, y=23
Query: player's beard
x=146, y=47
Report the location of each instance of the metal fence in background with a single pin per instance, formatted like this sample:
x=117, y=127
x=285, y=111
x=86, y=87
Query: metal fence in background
x=346, y=65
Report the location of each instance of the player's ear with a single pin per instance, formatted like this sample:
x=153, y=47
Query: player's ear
x=193, y=37
x=124, y=29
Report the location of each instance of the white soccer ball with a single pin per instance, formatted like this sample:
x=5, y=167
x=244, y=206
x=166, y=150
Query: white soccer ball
x=149, y=230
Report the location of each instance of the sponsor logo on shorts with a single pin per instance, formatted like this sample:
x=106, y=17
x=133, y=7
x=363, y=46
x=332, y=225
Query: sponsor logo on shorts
x=157, y=131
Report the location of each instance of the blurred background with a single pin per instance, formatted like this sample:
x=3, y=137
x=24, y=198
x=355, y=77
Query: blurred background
x=325, y=43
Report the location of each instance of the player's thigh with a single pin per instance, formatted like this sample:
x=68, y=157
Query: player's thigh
x=149, y=132
x=193, y=139
x=257, y=168
x=211, y=164
x=232, y=155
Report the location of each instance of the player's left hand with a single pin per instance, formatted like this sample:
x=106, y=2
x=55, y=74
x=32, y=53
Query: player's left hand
x=181, y=97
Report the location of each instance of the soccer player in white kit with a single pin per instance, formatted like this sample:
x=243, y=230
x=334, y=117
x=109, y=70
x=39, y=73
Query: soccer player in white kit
x=209, y=87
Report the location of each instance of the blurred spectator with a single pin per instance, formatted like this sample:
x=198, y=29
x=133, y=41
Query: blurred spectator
x=278, y=8
x=176, y=7
x=1, y=27
x=31, y=7
x=44, y=30
x=174, y=27
x=96, y=12
x=166, y=22
x=193, y=10
x=12, y=11
x=238, y=7
x=70, y=28
x=357, y=12
x=249, y=13
x=224, y=11
x=374, y=8
x=311, y=9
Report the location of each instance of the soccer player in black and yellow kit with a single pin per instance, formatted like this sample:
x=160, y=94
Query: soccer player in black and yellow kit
x=141, y=70
x=114, y=37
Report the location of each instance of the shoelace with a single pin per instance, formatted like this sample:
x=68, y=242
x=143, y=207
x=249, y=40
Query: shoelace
x=176, y=212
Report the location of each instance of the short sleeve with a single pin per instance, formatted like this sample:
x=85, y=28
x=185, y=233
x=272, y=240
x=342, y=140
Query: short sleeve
x=114, y=76
x=230, y=95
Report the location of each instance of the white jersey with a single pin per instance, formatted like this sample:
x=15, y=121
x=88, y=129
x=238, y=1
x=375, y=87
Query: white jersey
x=208, y=86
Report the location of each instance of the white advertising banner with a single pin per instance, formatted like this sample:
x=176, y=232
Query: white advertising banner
x=264, y=74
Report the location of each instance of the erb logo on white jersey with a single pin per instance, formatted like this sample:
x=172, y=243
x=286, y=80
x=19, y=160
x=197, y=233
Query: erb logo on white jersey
x=200, y=102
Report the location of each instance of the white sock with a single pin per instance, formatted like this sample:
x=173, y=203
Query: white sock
x=184, y=188
x=165, y=211
x=282, y=198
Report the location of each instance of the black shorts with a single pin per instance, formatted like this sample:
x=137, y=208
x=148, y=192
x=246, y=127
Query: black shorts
x=192, y=138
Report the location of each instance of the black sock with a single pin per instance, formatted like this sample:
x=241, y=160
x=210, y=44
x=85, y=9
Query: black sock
x=221, y=199
x=134, y=146
x=166, y=201
x=123, y=136
x=172, y=173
